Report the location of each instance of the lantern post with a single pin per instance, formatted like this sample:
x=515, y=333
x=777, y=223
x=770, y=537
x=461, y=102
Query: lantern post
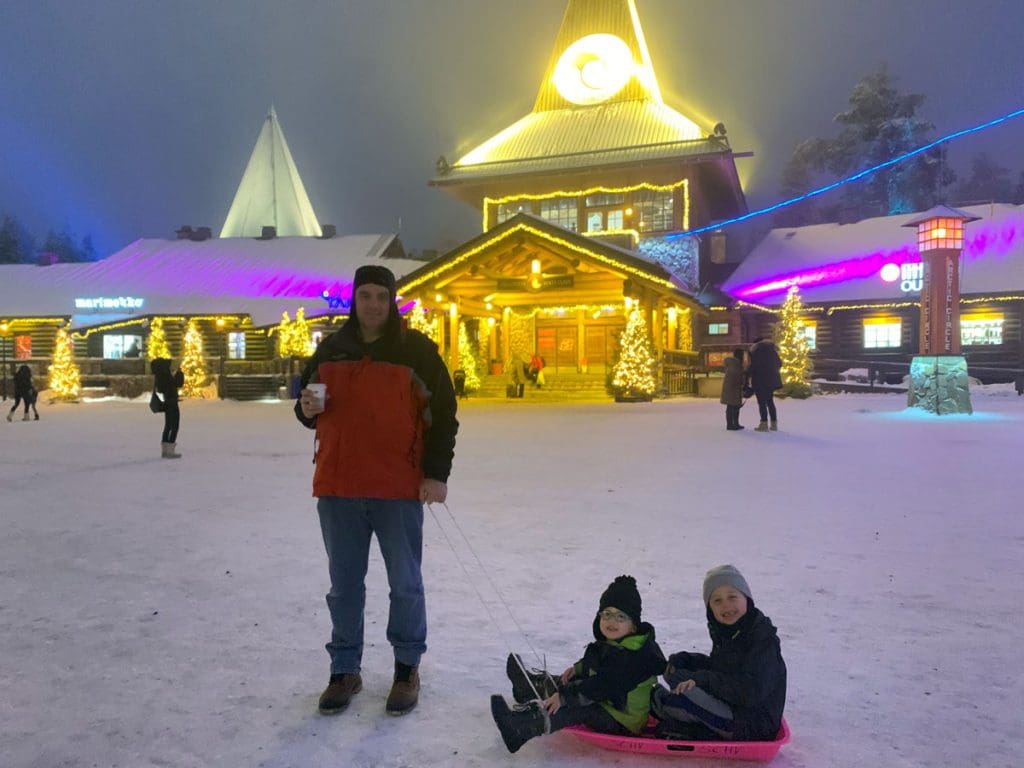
x=938, y=373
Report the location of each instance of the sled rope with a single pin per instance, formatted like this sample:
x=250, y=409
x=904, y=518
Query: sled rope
x=487, y=608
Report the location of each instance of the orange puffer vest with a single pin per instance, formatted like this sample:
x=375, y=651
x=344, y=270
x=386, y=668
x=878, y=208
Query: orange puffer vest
x=370, y=437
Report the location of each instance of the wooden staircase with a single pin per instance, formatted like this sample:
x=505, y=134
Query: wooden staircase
x=558, y=387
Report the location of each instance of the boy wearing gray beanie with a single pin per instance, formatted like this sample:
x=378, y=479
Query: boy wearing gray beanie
x=738, y=692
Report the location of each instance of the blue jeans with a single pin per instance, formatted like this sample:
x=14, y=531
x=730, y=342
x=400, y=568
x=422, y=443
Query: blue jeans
x=347, y=525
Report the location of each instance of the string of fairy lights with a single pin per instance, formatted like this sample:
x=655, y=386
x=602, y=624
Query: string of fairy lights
x=849, y=179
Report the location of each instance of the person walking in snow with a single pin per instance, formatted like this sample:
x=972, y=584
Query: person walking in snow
x=732, y=389
x=24, y=392
x=737, y=693
x=608, y=690
x=167, y=384
x=385, y=437
x=765, y=377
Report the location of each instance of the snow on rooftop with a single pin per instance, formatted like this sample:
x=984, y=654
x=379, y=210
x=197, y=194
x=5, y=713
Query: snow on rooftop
x=993, y=257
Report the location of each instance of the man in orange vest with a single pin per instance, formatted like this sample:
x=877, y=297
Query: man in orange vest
x=385, y=439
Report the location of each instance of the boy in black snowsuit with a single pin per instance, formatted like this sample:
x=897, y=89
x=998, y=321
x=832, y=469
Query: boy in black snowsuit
x=24, y=392
x=608, y=690
x=739, y=691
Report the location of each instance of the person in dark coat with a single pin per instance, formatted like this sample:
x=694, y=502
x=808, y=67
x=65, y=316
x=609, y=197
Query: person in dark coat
x=765, y=377
x=608, y=690
x=24, y=392
x=732, y=389
x=738, y=693
x=167, y=386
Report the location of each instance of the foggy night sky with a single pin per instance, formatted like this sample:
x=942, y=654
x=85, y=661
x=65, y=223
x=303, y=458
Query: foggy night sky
x=130, y=118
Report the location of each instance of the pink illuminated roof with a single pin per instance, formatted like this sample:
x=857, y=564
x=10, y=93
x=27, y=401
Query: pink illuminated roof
x=221, y=275
x=842, y=262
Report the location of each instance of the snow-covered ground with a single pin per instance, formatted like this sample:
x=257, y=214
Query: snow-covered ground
x=158, y=613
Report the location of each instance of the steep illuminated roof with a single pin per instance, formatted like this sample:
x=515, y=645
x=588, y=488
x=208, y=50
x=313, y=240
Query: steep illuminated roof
x=271, y=193
x=598, y=104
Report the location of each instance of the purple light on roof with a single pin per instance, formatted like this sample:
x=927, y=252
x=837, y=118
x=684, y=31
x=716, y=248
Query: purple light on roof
x=994, y=240
x=840, y=271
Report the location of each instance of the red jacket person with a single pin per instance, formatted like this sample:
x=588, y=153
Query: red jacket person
x=385, y=439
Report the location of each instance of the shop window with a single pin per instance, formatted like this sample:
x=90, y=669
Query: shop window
x=595, y=221
x=595, y=201
x=718, y=329
x=561, y=211
x=810, y=332
x=236, y=346
x=22, y=347
x=981, y=330
x=117, y=346
x=615, y=219
x=883, y=334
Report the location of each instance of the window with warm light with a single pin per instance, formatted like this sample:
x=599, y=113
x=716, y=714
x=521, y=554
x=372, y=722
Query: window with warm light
x=718, y=329
x=595, y=221
x=236, y=346
x=562, y=211
x=981, y=330
x=654, y=211
x=615, y=219
x=940, y=233
x=507, y=210
x=883, y=333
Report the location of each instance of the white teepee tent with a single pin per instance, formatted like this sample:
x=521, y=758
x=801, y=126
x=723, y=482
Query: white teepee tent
x=271, y=191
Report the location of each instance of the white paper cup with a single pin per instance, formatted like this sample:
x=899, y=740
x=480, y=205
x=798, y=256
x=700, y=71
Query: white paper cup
x=319, y=392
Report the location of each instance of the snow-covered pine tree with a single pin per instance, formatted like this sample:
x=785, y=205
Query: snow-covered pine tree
x=192, y=365
x=65, y=379
x=794, y=351
x=633, y=375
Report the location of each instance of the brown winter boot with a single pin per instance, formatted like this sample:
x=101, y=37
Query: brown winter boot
x=405, y=691
x=762, y=427
x=168, y=451
x=774, y=427
x=339, y=692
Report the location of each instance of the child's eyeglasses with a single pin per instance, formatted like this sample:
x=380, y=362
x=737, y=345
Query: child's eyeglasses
x=611, y=615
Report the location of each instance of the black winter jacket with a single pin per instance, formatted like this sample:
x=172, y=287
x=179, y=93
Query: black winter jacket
x=402, y=347
x=165, y=382
x=609, y=672
x=745, y=670
x=765, y=369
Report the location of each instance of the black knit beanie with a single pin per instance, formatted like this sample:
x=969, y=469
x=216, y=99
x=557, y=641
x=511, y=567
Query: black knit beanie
x=375, y=274
x=622, y=594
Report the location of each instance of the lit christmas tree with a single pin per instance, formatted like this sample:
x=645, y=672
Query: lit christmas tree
x=294, y=338
x=156, y=344
x=192, y=365
x=418, y=320
x=65, y=381
x=633, y=375
x=302, y=338
x=467, y=360
x=793, y=348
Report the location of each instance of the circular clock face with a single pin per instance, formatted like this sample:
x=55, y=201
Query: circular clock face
x=594, y=69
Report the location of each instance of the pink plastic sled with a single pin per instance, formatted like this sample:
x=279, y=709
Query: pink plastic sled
x=761, y=751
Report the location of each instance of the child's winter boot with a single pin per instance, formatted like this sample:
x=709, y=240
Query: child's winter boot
x=528, y=683
x=168, y=451
x=774, y=427
x=762, y=427
x=517, y=726
x=26, y=417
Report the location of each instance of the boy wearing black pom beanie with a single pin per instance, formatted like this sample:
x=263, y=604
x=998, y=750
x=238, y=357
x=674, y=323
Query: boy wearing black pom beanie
x=608, y=690
x=739, y=691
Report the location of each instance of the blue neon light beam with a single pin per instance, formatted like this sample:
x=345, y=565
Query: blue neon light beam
x=855, y=177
